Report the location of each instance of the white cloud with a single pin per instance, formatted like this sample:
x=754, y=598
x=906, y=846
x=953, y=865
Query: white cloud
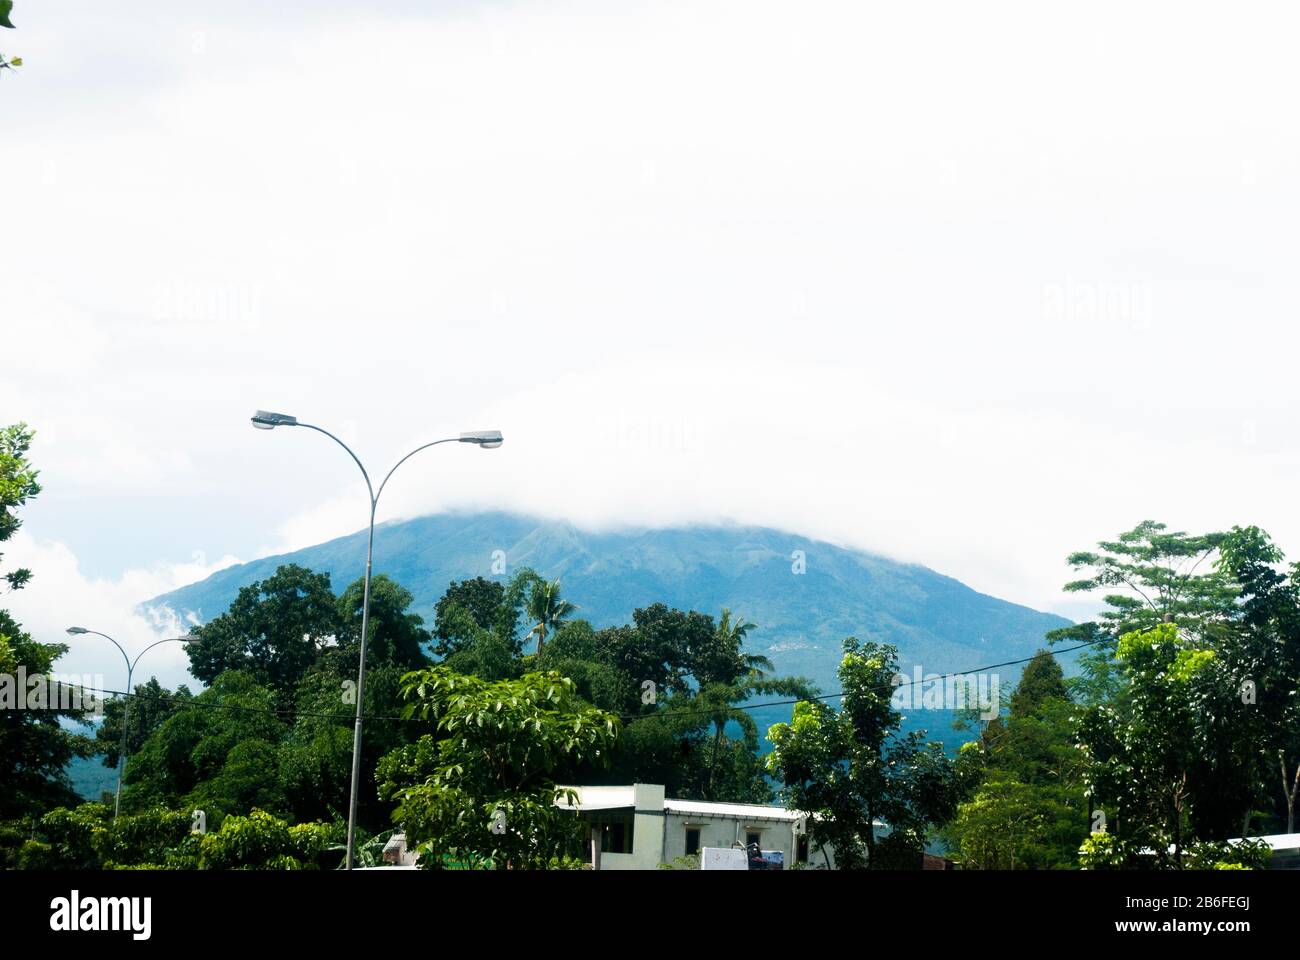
x=975, y=287
x=60, y=595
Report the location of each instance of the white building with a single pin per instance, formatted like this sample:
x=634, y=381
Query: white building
x=637, y=828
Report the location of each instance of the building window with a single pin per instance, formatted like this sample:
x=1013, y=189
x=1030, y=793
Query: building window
x=755, y=838
x=801, y=849
x=616, y=835
x=692, y=840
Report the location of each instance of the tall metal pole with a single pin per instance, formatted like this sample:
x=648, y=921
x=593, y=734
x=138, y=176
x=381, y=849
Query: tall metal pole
x=121, y=751
x=126, y=706
x=361, y=686
x=489, y=439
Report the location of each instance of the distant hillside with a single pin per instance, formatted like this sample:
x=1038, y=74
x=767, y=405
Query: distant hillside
x=90, y=778
x=937, y=622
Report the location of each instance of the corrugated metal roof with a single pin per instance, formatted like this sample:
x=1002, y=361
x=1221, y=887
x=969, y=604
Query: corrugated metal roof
x=1276, y=841
x=617, y=798
x=751, y=811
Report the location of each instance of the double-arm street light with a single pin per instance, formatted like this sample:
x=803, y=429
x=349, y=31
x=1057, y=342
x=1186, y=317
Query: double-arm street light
x=126, y=706
x=488, y=440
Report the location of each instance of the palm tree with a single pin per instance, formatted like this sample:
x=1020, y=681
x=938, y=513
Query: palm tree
x=744, y=672
x=731, y=637
x=547, y=609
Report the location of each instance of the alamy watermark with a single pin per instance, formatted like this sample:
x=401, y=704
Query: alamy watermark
x=64, y=692
x=980, y=692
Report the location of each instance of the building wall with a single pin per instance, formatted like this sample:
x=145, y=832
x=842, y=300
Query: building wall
x=659, y=835
x=723, y=832
x=647, y=829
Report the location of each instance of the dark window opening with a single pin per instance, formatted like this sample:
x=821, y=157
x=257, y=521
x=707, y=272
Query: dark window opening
x=692, y=840
x=616, y=836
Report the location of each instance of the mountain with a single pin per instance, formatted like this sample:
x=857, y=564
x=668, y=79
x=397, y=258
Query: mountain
x=938, y=623
x=90, y=778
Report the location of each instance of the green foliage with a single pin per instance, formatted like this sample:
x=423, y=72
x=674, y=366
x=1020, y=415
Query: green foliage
x=474, y=637
x=232, y=723
x=1152, y=576
x=5, y=7
x=261, y=841
x=35, y=748
x=274, y=631
x=278, y=735
x=1042, y=683
x=484, y=792
x=150, y=708
x=1262, y=649
x=1221, y=855
x=851, y=771
x=1145, y=754
x=469, y=605
x=18, y=484
x=1157, y=577
x=1027, y=807
x=546, y=610
x=1009, y=825
x=690, y=861
x=397, y=637
x=87, y=837
x=1105, y=851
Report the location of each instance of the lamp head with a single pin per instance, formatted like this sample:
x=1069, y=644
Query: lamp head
x=75, y=631
x=487, y=439
x=266, y=420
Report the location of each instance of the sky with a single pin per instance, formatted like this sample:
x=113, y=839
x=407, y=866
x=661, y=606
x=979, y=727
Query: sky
x=968, y=285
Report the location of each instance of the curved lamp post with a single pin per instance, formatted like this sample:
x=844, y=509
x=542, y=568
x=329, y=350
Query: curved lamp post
x=126, y=706
x=488, y=440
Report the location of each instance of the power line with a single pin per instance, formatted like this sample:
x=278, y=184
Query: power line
x=665, y=714
x=833, y=696
x=210, y=705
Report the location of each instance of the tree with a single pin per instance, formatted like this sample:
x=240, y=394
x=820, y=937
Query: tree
x=474, y=636
x=1220, y=724
x=234, y=723
x=658, y=647
x=152, y=705
x=89, y=837
x=1144, y=756
x=262, y=841
x=546, y=609
x=1001, y=827
x=484, y=791
x=1162, y=577
x=1026, y=806
x=1153, y=577
x=5, y=7
x=1262, y=649
x=315, y=758
x=274, y=630
x=851, y=771
x=18, y=484
x=1043, y=681
x=480, y=602
x=723, y=660
x=35, y=748
x=397, y=636
x=727, y=677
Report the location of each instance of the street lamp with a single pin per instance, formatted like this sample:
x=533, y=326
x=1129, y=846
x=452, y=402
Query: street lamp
x=488, y=440
x=126, y=706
